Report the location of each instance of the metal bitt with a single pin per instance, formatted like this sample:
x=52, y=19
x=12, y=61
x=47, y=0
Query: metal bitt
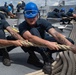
x=20, y=17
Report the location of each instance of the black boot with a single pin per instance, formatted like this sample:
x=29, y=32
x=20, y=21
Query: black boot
x=6, y=59
x=47, y=68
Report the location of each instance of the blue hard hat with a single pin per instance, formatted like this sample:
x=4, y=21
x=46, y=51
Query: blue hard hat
x=9, y=8
x=63, y=9
x=31, y=10
x=71, y=9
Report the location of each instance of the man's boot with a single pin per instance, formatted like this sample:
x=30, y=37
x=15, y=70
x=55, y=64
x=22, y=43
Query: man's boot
x=47, y=68
x=6, y=59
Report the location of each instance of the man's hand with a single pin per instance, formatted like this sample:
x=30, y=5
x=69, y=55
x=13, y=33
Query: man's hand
x=17, y=43
x=25, y=43
x=21, y=43
x=14, y=16
x=52, y=46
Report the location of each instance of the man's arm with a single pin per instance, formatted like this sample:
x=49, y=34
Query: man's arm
x=34, y=39
x=59, y=37
x=11, y=14
x=74, y=15
x=10, y=43
x=14, y=33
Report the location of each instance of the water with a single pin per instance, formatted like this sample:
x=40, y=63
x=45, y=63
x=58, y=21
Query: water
x=39, y=2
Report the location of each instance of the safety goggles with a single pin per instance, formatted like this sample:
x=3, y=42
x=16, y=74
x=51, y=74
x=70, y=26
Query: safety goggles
x=28, y=12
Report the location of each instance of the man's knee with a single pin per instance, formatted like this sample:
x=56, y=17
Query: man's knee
x=34, y=31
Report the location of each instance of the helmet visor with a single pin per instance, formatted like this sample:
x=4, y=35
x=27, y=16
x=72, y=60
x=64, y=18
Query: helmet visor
x=30, y=13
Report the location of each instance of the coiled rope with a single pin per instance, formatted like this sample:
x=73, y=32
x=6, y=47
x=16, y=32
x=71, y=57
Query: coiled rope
x=67, y=65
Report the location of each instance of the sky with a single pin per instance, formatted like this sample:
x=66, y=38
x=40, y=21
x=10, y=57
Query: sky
x=39, y=2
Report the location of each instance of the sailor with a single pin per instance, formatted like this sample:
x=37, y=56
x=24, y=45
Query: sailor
x=63, y=16
x=62, y=12
x=71, y=15
x=4, y=51
x=19, y=6
x=12, y=6
x=23, y=4
x=7, y=11
x=35, y=30
x=5, y=4
x=54, y=14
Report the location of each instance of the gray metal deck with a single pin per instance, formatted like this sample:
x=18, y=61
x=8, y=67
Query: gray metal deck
x=19, y=65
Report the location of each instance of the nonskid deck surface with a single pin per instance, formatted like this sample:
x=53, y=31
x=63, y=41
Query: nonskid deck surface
x=19, y=65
